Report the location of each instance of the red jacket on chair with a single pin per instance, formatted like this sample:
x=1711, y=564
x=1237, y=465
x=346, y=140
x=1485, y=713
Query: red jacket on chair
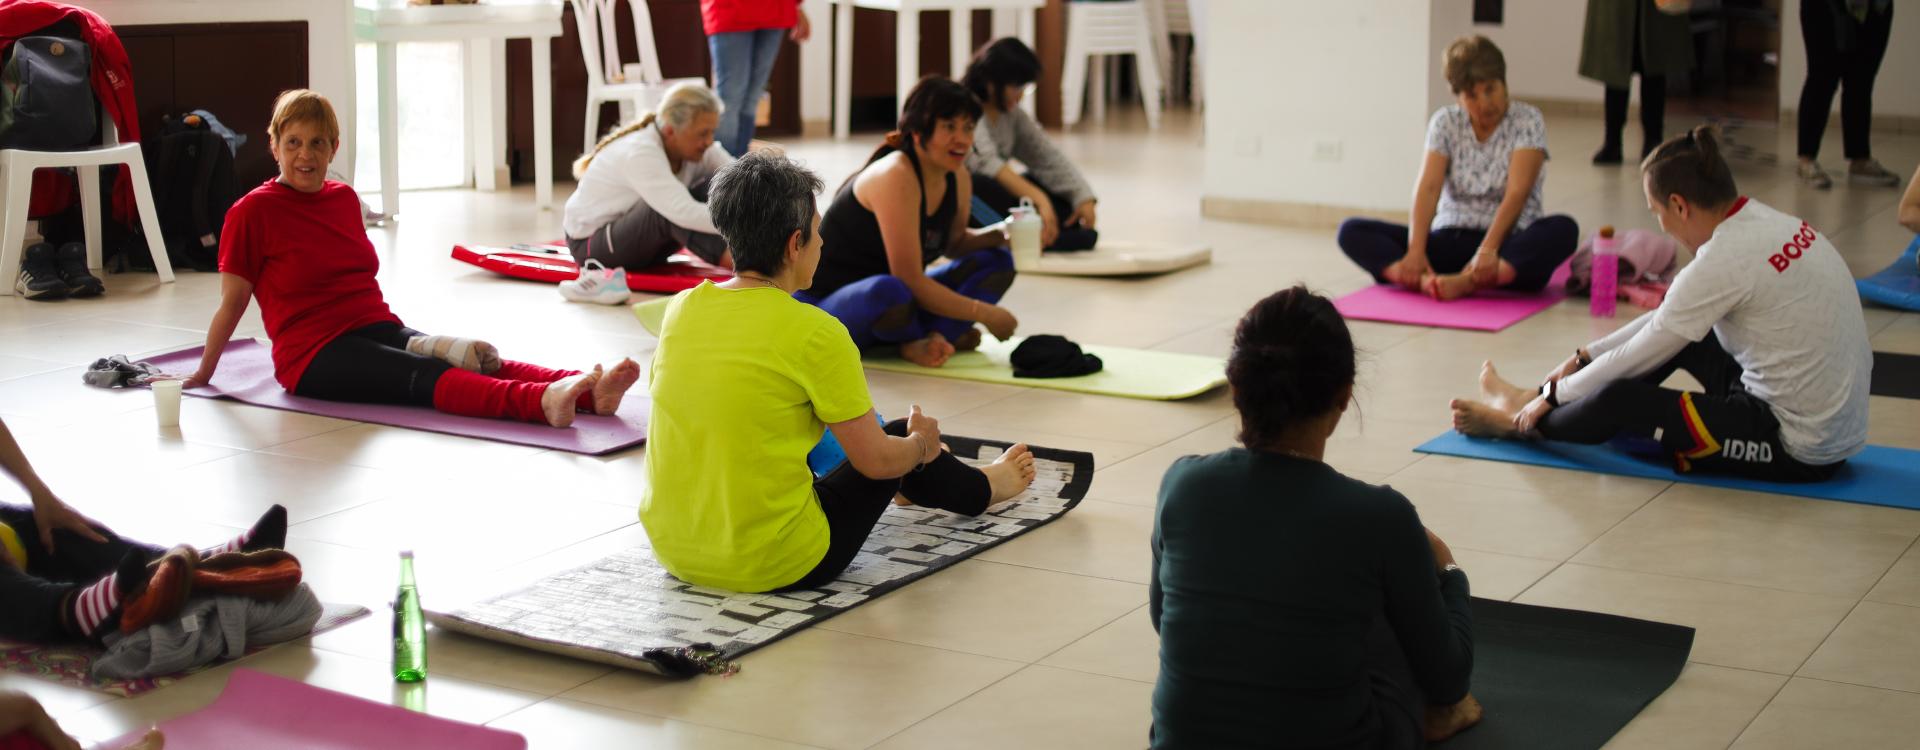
x=112, y=85
x=726, y=16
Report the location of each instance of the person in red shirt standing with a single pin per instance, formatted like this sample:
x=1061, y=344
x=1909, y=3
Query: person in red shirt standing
x=296, y=243
x=743, y=38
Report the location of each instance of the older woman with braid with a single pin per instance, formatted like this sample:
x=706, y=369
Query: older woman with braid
x=642, y=192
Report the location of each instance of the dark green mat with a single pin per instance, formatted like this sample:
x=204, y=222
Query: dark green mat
x=1896, y=375
x=1559, y=678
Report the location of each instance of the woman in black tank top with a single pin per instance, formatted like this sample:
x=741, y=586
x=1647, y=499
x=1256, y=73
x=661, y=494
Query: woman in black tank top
x=880, y=238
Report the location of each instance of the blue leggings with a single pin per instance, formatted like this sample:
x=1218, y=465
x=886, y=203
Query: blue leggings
x=879, y=310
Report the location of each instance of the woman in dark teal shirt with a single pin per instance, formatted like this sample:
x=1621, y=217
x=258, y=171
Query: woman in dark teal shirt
x=1297, y=607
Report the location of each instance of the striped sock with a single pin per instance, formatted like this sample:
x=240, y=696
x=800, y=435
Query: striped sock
x=270, y=532
x=94, y=604
x=472, y=355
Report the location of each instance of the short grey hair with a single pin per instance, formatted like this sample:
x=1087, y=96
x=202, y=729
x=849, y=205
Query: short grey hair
x=759, y=201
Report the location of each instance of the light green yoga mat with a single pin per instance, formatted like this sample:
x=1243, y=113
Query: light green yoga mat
x=1129, y=373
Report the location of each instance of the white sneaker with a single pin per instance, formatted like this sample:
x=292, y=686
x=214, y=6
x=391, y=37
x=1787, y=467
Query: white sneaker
x=597, y=283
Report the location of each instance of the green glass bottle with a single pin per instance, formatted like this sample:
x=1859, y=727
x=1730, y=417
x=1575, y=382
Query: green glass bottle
x=409, y=627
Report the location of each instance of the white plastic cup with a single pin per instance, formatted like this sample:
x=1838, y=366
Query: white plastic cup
x=166, y=402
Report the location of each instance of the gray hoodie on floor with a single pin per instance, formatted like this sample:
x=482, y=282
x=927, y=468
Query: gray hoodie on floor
x=207, y=628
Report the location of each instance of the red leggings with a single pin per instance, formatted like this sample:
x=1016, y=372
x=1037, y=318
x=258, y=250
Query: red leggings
x=371, y=365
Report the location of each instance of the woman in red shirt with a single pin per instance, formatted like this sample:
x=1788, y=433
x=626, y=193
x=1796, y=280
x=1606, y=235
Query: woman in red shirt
x=297, y=244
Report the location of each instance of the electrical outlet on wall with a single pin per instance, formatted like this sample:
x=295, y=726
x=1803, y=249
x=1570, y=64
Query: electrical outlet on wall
x=1329, y=151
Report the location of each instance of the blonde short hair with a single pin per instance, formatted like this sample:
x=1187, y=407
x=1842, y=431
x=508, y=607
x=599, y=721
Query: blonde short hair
x=303, y=105
x=1472, y=60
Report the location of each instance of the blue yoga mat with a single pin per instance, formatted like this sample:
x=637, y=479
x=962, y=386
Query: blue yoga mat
x=1877, y=476
x=1897, y=285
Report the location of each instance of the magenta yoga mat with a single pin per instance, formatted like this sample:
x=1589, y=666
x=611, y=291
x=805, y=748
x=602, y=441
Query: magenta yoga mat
x=1485, y=311
x=246, y=375
x=261, y=710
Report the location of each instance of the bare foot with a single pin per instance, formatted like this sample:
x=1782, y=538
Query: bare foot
x=613, y=386
x=1501, y=394
x=563, y=396
x=1446, y=721
x=1480, y=420
x=931, y=351
x=1449, y=287
x=968, y=341
x=1010, y=474
x=152, y=740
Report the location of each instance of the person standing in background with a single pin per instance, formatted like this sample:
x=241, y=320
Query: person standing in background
x=743, y=38
x=1846, y=39
x=1624, y=37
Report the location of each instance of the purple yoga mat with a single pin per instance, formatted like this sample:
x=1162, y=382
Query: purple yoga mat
x=246, y=374
x=1485, y=311
x=261, y=710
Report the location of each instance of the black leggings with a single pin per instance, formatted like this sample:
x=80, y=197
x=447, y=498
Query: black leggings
x=31, y=600
x=1534, y=252
x=1724, y=431
x=1001, y=200
x=371, y=365
x=853, y=503
x=1832, y=65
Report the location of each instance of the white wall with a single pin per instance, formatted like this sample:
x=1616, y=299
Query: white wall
x=1541, y=39
x=1321, y=103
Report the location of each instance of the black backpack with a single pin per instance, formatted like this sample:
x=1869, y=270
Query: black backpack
x=46, y=95
x=191, y=170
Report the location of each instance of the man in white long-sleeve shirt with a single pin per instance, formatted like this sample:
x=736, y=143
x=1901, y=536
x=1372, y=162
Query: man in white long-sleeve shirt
x=1766, y=318
x=642, y=188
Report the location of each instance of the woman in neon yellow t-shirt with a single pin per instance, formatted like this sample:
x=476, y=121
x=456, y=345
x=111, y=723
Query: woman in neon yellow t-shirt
x=744, y=383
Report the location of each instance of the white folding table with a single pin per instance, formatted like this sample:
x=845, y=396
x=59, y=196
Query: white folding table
x=484, y=28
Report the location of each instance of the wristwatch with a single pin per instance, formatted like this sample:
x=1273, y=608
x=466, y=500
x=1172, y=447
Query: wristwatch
x=1450, y=568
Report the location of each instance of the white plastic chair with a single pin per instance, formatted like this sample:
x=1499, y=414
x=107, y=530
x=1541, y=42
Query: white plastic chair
x=1099, y=29
x=600, y=49
x=17, y=166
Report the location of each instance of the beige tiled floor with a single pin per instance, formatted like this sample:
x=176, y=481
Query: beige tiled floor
x=1806, y=610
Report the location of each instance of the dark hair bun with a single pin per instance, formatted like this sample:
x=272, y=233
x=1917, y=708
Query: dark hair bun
x=1292, y=360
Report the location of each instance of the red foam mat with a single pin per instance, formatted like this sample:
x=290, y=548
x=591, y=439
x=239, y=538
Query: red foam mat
x=552, y=263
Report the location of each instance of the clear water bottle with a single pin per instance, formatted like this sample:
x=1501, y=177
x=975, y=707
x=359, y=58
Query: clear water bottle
x=1606, y=275
x=409, y=627
x=1024, y=226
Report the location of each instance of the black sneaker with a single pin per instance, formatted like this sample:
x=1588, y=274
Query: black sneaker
x=71, y=261
x=38, y=279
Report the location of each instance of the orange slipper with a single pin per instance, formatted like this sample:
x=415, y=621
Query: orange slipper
x=261, y=574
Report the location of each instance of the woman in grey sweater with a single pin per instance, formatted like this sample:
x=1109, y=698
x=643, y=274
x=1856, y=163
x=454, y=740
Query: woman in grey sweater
x=999, y=75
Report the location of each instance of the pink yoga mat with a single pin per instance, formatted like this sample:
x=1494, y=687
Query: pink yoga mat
x=261, y=710
x=246, y=374
x=1486, y=311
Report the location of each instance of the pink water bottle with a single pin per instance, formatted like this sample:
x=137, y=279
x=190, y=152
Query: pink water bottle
x=1606, y=274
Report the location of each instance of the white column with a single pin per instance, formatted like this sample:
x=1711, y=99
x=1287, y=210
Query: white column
x=960, y=40
x=389, y=104
x=906, y=35
x=842, y=70
x=542, y=121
